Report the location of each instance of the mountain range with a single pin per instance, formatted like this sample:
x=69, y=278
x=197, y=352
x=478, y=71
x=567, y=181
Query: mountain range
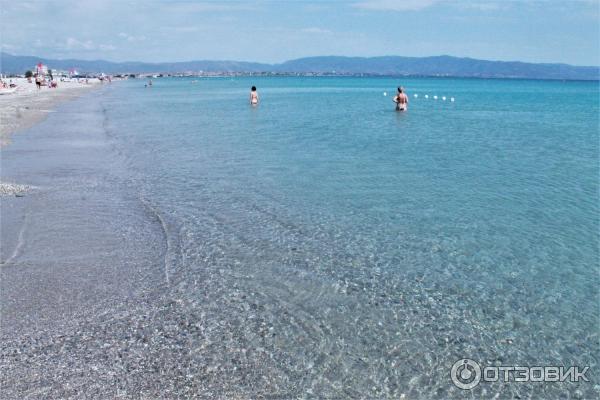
x=387, y=65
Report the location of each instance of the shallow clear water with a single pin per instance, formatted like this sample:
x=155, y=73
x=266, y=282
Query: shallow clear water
x=332, y=246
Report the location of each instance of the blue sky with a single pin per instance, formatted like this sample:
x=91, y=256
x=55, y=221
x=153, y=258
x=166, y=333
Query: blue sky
x=274, y=31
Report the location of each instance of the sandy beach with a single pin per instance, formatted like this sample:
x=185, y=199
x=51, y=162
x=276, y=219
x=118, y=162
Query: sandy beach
x=55, y=295
x=28, y=105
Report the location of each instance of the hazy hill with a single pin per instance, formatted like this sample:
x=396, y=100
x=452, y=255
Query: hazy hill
x=389, y=65
x=19, y=64
x=439, y=66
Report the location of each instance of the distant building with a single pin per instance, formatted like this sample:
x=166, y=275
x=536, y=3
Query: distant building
x=60, y=72
x=41, y=69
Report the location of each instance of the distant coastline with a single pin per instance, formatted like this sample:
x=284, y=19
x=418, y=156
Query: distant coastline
x=226, y=74
x=437, y=66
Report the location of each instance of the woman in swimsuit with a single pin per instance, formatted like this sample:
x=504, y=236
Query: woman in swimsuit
x=253, y=96
x=401, y=100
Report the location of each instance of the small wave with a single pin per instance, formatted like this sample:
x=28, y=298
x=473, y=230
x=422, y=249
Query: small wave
x=169, y=252
x=20, y=241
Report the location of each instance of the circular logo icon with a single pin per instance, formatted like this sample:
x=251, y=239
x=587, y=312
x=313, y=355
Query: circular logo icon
x=465, y=374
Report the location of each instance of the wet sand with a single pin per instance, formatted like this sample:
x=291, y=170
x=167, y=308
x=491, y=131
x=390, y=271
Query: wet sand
x=82, y=273
x=88, y=309
x=90, y=306
x=29, y=105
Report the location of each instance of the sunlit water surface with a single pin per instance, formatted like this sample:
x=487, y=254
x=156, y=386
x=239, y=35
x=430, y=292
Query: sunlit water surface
x=328, y=245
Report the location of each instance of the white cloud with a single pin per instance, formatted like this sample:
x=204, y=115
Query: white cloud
x=181, y=29
x=132, y=38
x=19, y=7
x=75, y=44
x=395, y=5
x=72, y=44
x=206, y=7
x=482, y=5
x=316, y=30
x=8, y=47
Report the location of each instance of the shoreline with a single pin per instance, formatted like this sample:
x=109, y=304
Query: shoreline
x=56, y=296
x=28, y=105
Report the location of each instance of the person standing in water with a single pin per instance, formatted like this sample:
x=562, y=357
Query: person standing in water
x=253, y=96
x=401, y=100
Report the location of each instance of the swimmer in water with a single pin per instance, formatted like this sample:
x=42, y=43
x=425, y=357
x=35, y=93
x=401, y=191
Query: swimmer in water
x=253, y=96
x=401, y=100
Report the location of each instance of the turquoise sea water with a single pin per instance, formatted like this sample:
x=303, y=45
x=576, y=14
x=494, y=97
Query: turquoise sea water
x=331, y=246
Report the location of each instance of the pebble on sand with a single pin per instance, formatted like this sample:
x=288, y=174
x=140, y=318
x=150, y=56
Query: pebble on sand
x=13, y=189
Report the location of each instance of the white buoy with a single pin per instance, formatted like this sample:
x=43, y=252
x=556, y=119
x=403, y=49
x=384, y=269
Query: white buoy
x=452, y=99
x=416, y=95
x=385, y=93
x=444, y=98
x=426, y=96
x=435, y=97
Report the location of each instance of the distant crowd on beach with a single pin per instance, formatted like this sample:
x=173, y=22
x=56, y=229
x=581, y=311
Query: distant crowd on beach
x=32, y=81
x=7, y=85
x=41, y=80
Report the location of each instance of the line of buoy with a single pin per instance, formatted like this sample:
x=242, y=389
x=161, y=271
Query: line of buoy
x=435, y=97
